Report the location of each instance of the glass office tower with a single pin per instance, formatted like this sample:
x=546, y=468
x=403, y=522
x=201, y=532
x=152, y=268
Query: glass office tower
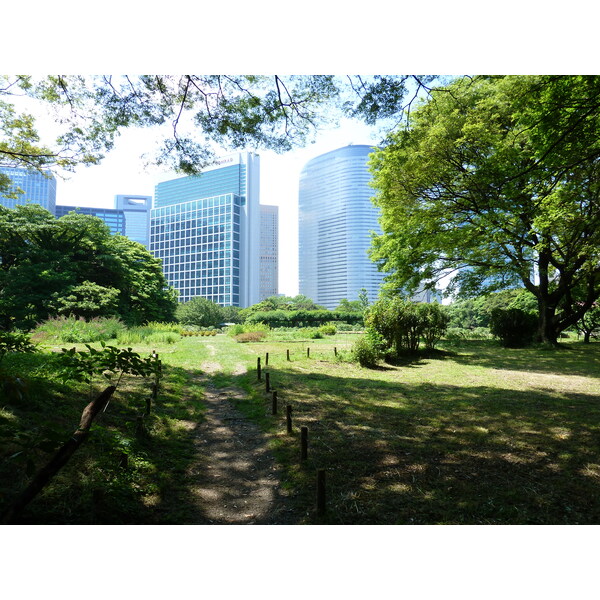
x=206, y=230
x=130, y=217
x=39, y=188
x=336, y=219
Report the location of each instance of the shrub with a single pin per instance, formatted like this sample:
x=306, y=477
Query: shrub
x=250, y=336
x=237, y=329
x=328, y=329
x=367, y=350
x=513, y=326
x=402, y=323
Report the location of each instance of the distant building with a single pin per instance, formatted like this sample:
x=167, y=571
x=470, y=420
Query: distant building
x=269, y=239
x=206, y=230
x=39, y=188
x=336, y=220
x=129, y=217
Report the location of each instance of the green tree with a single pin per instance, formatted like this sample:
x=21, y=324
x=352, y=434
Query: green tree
x=346, y=305
x=200, y=312
x=87, y=300
x=496, y=182
x=73, y=264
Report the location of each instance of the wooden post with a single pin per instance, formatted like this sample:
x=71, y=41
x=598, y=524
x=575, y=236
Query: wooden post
x=274, y=408
x=288, y=355
x=303, y=443
x=335, y=351
x=268, y=382
x=321, y=506
x=267, y=360
x=307, y=352
x=258, y=368
x=288, y=416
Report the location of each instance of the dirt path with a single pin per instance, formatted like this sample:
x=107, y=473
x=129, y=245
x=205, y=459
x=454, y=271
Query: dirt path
x=237, y=480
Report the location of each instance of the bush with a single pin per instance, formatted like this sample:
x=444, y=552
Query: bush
x=367, y=350
x=250, y=336
x=328, y=329
x=402, y=323
x=515, y=327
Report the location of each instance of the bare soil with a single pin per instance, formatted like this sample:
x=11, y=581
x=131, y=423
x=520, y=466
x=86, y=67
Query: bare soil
x=236, y=479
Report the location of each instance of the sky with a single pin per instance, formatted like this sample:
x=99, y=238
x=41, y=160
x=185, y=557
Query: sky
x=123, y=172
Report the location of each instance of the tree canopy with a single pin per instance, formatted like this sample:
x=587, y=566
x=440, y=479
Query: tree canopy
x=73, y=265
x=495, y=181
x=234, y=111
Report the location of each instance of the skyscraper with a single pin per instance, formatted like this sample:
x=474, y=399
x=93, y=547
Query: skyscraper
x=129, y=217
x=336, y=218
x=39, y=188
x=206, y=230
x=269, y=238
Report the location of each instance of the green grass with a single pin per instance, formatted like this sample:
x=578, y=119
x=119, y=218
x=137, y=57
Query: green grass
x=472, y=434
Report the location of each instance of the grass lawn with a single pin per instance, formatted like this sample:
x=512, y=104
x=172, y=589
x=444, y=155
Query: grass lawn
x=474, y=434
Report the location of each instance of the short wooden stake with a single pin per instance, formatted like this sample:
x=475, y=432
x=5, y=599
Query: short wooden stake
x=303, y=443
x=288, y=417
x=267, y=360
x=335, y=350
x=267, y=382
x=308, y=353
x=274, y=408
x=321, y=507
x=258, y=368
x=288, y=355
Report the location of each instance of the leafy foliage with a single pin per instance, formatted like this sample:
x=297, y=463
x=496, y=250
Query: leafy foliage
x=14, y=341
x=236, y=111
x=200, y=312
x=73, y=265
x=514, y=327
x=401, y=324
x=495, y=180
x=108, y=362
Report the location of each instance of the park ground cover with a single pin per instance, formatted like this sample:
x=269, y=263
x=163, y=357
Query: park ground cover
x=472, y=434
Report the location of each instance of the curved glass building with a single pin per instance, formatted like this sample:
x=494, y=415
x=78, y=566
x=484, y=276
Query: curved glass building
x=336, y=219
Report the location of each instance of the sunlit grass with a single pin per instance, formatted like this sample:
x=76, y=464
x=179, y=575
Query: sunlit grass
x=473, y=433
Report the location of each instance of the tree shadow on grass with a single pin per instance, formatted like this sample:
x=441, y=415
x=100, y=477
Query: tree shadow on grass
x=569, y=359
x=398, y=453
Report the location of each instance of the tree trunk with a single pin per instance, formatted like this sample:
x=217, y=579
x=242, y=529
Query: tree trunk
x=547, y=333
x=586, y=337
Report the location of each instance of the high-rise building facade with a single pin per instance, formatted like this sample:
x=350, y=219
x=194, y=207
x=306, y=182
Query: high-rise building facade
x=336, y=220
x=269, y=239
x=129, y=217
x=39, y=188
x=206, y=230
